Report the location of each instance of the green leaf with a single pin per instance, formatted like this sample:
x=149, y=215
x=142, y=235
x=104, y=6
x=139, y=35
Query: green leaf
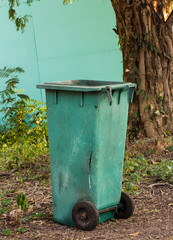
x=131, y=186
x=23, y=96
x=21, y=229
x=166, y=55
x=5, y=210
x=135, y=177
x=12, y=81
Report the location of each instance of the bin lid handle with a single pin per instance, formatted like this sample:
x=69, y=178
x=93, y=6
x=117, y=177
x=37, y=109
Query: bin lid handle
x=109, y=93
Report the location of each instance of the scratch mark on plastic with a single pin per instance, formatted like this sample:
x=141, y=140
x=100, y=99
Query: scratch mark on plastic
x=89, y=175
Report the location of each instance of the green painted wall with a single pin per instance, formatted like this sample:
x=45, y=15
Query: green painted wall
x=61, y=43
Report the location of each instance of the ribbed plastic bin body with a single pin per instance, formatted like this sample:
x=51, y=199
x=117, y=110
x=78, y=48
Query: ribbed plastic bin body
x=87, y=123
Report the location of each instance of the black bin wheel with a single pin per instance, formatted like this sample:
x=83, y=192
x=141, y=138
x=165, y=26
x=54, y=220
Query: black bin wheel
x=126, y=207
x=85, y=215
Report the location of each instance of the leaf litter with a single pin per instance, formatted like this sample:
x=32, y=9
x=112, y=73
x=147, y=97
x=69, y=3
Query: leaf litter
x=152, y=219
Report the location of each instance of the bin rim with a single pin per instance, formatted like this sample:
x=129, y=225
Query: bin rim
x=88, y=85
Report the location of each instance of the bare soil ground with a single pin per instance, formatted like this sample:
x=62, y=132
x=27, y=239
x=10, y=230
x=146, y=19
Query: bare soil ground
x=152, y=218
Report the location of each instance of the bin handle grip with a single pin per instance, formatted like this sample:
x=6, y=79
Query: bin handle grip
x=110, y=94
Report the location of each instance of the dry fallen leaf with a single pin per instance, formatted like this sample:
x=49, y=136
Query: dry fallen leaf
x=155, y=163
x=135, y=234
x=30, y=209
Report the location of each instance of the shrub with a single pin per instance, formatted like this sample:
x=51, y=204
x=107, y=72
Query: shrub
x=23, y=130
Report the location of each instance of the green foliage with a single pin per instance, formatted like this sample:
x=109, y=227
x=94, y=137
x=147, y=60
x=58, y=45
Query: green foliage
x=20, y=22
x=20, y=156
x=65, y=2
x=135, y=169
x=23, y=129
x=163, y=171
x=170, y=148
x=36, y=215
x=133, y=165
x=21, y=201
x=6, y=232
x=6, y=72
x=23, y=118
x=4, y=203
x=21, y=230
x=123, y=40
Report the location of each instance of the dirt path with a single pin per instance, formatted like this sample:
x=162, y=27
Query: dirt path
x=152, y=219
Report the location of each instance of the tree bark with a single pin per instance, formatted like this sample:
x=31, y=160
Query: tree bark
x=146, y=41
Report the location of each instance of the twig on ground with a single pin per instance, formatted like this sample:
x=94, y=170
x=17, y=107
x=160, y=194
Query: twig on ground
x=161, y=184
x=4, y=174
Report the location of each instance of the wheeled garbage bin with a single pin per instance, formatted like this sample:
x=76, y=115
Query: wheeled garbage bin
x=87, y=123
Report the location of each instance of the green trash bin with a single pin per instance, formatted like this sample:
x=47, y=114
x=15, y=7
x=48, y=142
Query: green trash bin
x=87, y=123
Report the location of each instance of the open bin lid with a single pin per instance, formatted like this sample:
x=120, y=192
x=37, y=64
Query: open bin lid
x=86, y=85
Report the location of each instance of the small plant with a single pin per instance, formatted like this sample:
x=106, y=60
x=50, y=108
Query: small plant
x=23, y=118
x=163, y=171
x=135, y=169
x=21, y=230
x=4, y=203
x=6, y=232
x=170, y=148
x=23, y=128
x=35, y=215
x=21, y=201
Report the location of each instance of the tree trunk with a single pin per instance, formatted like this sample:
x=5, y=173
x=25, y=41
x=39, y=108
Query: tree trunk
x=146, y=41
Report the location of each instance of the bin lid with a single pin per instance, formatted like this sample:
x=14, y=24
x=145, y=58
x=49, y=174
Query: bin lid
x=85, y=85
